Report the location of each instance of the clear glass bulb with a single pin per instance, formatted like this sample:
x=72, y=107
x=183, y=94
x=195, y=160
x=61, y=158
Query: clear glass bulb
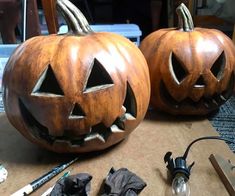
x=180, y=185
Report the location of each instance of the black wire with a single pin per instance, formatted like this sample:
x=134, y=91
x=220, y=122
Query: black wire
x=203, y=138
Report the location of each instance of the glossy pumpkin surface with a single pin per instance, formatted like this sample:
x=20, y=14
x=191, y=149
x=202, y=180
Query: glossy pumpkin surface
x=191, y=69
x=71, y=93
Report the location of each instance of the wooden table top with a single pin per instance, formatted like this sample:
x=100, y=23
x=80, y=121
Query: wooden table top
x=142, y=153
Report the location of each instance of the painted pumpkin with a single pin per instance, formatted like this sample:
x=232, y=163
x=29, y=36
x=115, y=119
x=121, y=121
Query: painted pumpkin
x=191, y=69
x=76, y=92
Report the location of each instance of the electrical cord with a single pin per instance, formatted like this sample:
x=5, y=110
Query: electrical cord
x=203, y=138
x=179, y=164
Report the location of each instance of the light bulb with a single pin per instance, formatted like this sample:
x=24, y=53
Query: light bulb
x=180, y=185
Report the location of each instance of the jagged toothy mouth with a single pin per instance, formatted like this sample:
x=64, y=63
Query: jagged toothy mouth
x=210, y=103
x=99, y=131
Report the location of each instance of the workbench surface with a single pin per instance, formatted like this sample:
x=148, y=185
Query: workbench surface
x=142, y=153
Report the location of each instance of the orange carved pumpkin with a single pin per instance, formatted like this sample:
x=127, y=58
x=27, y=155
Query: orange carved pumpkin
x=76, y=92
x=191, y=69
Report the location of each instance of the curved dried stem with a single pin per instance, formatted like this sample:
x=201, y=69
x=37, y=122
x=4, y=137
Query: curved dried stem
x=74, y=18
x=184, y=18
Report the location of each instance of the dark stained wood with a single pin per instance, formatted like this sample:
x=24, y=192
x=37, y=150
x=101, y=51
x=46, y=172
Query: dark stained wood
x=33, y=27
x=225, y=171
x=49, y=8
x=10, y=16
x=207, y=21
x=191, y=69
x=9, y=11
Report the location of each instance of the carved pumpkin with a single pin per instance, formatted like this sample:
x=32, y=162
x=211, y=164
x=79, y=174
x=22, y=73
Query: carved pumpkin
x=76, y=92
x=191, y=69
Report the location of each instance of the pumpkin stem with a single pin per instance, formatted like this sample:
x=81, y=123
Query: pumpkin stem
x=184, y=18
x=74, y=18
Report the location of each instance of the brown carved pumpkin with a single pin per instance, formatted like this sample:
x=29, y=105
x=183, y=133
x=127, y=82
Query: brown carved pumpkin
x=191, y=69
x=76, y=92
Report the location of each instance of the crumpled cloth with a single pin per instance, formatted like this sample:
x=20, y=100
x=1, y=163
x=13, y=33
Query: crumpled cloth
x=122, y=183
x=74, y=185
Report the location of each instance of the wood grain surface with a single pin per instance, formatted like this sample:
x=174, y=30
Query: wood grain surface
x=142, y=153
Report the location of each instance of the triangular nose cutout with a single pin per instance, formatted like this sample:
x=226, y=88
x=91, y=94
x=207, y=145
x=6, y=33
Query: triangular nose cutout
x=77, y=112
x=98, y=76
x=200, y=82
x=47, y=83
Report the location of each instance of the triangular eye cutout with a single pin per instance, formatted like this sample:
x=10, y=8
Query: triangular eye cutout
x=98, y=76
x=200, y=82
x=47, y=84
x=77, y=112
x=177, y=68
x=130, y=101
x=218, y=67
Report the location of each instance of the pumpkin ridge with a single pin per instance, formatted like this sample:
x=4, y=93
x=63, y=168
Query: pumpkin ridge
x=217, y=34
x=108, y=36
x=157, y=44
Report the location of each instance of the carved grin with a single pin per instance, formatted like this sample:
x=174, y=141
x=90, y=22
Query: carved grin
x=98, y=131
x=210, y=103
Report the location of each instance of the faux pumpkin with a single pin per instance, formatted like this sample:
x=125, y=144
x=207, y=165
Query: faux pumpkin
x=78, y=92
x=191, y=69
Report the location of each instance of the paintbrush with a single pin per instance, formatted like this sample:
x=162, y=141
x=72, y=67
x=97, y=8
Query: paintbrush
x=29, y=188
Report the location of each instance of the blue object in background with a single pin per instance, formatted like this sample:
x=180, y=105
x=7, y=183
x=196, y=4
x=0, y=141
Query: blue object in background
x=130, y=31
x=5, y=52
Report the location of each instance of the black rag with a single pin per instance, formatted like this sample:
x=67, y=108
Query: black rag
x=74, y=185
x=122, y=182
